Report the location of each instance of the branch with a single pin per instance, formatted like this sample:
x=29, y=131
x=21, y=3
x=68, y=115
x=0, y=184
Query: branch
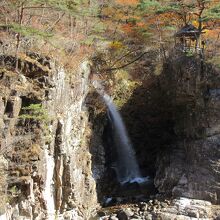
x=56, y=22
x=122, y=57
x=197, y=14
x=127, y=64
x=38, y=7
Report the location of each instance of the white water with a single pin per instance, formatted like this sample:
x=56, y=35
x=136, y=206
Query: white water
x=127, y=168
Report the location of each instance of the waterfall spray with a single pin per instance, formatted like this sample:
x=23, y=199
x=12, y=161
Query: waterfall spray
x=127, y=168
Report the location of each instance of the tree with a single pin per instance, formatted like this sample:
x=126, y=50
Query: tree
x=49, y=25
x=57, y=24
x=180, y=12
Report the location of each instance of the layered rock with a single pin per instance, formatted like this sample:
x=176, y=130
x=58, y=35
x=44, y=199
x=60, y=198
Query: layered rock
x=189, y=167
x=44, y=137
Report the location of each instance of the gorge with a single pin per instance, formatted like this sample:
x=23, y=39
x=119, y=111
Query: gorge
x=68, y=171
x=109, y=110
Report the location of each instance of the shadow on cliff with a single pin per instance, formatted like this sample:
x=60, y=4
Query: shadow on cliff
x=170, y=119
x=148, y=118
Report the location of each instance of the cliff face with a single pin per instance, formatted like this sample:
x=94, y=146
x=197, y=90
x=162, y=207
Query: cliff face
x=44, y=137
x=53, y=129
x=189, y=167
x=173, y=122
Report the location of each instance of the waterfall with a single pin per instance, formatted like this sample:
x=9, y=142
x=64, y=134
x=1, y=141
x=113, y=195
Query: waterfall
x=127, y=168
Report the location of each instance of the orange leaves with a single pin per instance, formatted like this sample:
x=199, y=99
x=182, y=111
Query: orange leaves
x=140, y=24
x=127, y=2
x=212, y=34
x=127, y=28
x=135, y=30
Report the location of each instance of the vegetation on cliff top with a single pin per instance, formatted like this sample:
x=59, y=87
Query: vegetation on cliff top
x=118, y=33
x=70, y=30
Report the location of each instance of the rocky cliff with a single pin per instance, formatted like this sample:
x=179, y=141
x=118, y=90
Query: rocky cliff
x=45, y=141
x=190, y=166
x=56, y=149
x=173, y=121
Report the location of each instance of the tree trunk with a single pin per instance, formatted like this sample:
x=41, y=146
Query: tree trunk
x=18, y=36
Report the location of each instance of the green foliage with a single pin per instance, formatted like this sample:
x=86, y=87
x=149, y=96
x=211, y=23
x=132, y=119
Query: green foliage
x=29, y=31
x=172, y=7
x=213, y=13
x=91, y=39
x=143, y=32
x=71, y=7
x=98, y=28
x=153, y=6
x=124, y=87
x=65, y=5
x=36, y=112
x=170, y=28
x=88, y=41
x=74, y=8
x=189, y=53
x=12, y=193
x=39, y=113
x=13, y=190
x=149, y=5
x=132, y=20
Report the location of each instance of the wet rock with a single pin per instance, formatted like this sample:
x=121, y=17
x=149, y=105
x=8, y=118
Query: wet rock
x=148, y=217
x=150, y=202
x=137, y=217
x=217, y=218
x=124, y=214
x=143, y=206
x=101, y=213
x=164, y=205
x=113, y=217
x=137, y=209
x=192, y=212
x=128, y=212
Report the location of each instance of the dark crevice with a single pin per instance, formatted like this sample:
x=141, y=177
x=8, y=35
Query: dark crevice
x=148, y=118
x=9, y=108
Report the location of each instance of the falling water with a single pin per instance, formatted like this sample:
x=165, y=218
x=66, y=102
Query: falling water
x=127, y=168
x=126, y=165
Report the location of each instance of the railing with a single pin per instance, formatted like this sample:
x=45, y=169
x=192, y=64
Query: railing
x=189, y=49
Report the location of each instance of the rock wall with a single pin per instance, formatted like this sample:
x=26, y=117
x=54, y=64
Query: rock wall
x=47, y=145
x=190, y=166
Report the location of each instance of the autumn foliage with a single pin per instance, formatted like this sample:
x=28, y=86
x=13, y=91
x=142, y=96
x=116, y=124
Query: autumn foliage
x=128, y=2
x=66, y=28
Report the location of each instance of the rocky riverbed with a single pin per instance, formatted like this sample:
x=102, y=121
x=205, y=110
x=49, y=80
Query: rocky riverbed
x=162, y=209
